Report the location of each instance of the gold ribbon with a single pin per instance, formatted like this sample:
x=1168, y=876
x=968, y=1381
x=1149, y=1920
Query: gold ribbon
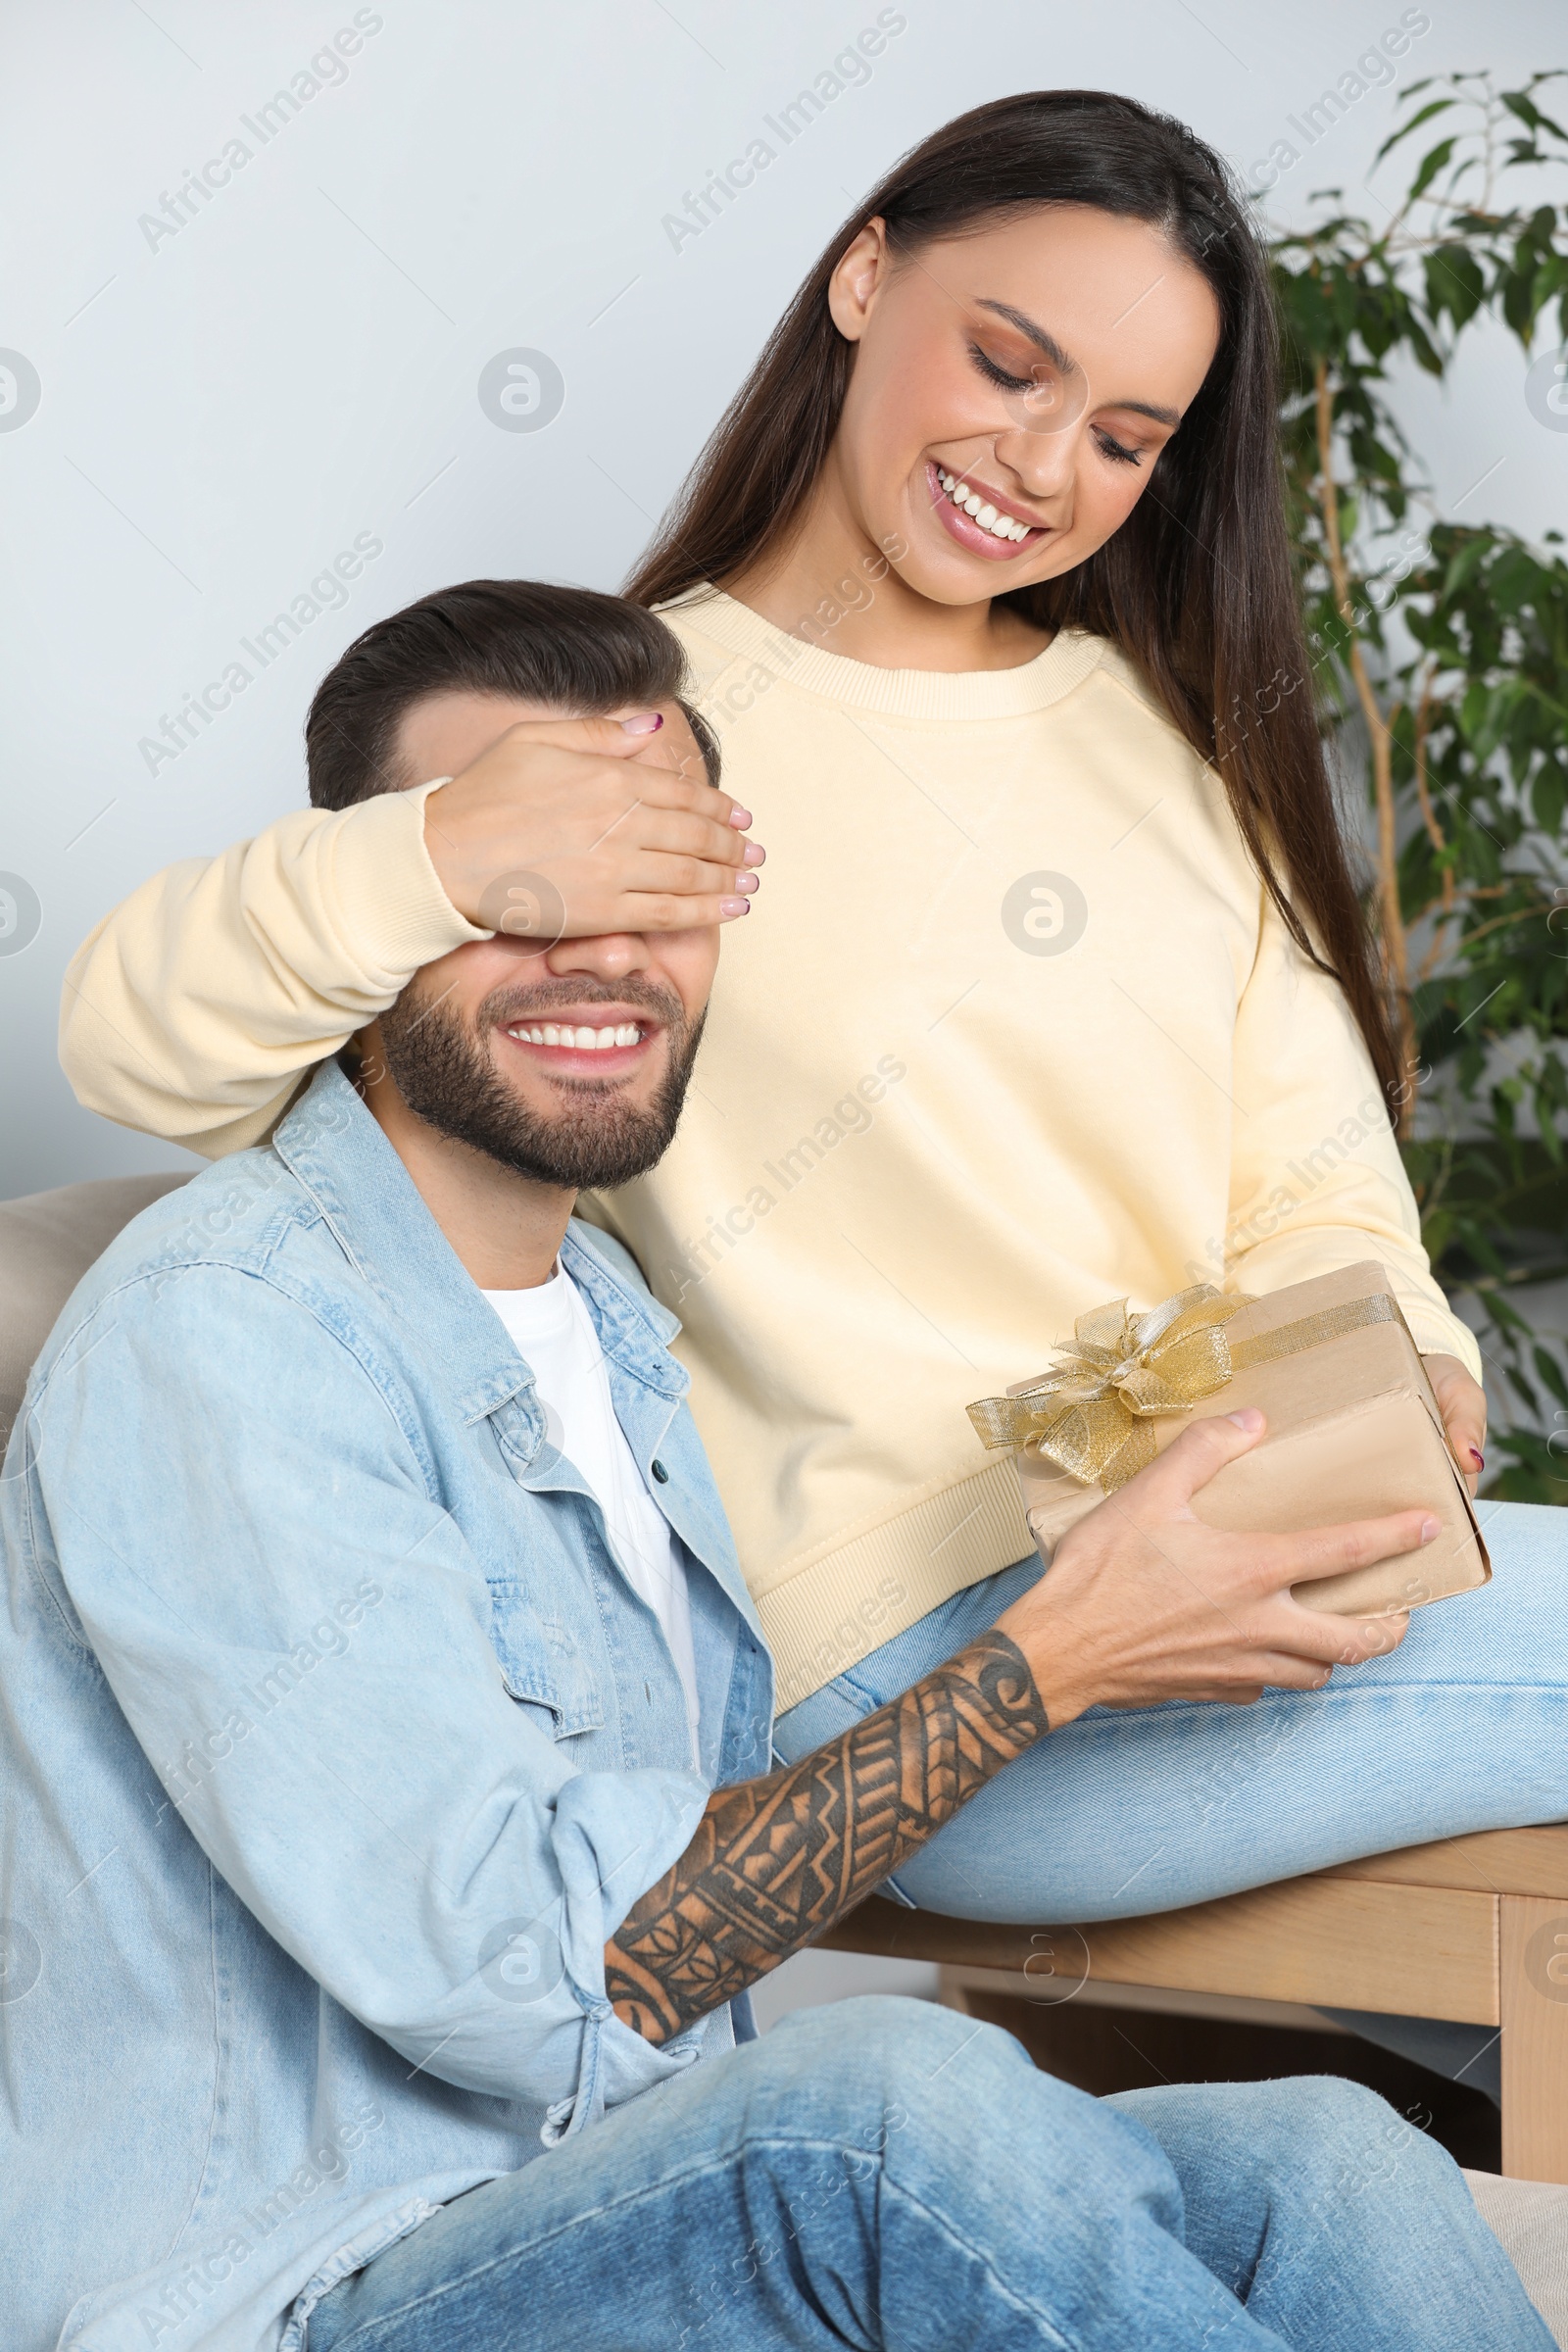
x=1091, y=1413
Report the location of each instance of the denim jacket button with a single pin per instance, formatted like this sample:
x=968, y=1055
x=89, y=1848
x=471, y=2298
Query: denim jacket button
x=661, y=1473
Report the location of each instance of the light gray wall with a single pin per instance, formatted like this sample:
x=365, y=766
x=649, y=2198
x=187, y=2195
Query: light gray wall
x=225, y=409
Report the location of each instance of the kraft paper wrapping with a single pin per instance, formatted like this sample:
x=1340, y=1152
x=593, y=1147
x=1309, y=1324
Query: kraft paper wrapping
x=1353, y=1431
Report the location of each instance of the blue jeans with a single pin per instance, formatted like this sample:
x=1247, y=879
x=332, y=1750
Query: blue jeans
x=886, y=2173
x=1463, y=1726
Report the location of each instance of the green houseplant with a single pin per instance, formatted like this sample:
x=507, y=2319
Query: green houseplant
x=1440, y=653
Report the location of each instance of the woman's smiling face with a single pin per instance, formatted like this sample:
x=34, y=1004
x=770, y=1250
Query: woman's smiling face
x=1034, y=370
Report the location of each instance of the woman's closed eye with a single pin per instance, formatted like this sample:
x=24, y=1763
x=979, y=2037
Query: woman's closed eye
x=994, y=374
x=1037, y=383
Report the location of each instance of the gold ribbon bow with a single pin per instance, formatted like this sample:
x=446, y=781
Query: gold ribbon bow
x=1090, y=1414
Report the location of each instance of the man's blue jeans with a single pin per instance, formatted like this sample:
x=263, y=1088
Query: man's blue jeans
x=888, y=2174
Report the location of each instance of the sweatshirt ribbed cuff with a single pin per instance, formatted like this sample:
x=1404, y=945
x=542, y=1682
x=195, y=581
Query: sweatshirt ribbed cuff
x=1443, y=1335
x=394, y=913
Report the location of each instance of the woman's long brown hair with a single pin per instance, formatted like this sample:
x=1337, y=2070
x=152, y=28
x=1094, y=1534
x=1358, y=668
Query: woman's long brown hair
x=1197, y=588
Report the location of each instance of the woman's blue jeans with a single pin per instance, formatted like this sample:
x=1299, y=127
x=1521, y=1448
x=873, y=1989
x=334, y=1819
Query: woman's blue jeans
x=1463, y=1726
x=888, y=2174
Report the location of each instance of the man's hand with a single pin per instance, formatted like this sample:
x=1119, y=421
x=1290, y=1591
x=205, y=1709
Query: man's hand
x=1144, y=1602
x=622, y=821
x=1463, y=1406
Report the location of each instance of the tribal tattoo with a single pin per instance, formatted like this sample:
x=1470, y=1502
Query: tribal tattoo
x=776, y=1861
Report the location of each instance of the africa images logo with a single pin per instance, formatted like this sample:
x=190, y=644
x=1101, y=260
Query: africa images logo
x=522, y=390
x=1044, y=913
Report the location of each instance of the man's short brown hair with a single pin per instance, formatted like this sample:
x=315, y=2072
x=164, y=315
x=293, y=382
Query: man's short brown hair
x=573, y=650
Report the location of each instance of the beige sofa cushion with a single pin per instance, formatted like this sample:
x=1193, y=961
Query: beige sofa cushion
x=47, y=1243
x=1530, y=2221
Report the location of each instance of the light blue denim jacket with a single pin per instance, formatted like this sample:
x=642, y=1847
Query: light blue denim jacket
x=333, y=1746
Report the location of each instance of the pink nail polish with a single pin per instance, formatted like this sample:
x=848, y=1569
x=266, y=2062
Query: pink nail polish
x=740, y=819
x=730, y=907
x=646, y=722
x=1477, y=1458
x=754, y=854
x=745, y=884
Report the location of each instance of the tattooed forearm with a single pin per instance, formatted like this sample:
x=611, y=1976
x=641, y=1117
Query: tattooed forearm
x=776, y=1861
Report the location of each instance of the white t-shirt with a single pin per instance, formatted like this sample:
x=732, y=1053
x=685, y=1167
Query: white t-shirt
x=554, y=1333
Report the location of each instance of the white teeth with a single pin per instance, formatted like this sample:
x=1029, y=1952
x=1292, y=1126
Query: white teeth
x=582, y=1040
x=989, y=518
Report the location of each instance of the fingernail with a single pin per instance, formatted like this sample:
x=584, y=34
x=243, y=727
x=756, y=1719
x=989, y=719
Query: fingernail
x=755, y=855
x=732, y=907
x=1429, y=1528
x=1477, y=1458
x=1249, y=1418
x=747, y=883
x=646, y=722
x=740, y=819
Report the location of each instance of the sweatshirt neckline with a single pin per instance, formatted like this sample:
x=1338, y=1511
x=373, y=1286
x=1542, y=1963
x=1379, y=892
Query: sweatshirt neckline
x=926, y=694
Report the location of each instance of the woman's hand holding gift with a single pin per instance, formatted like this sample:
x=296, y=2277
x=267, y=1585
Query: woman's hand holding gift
x=1144, y=1602
x=1462, y=1403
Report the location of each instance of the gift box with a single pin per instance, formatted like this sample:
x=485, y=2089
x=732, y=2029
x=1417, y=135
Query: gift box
x=1353, y=1427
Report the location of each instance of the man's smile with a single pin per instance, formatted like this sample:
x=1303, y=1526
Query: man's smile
x=599, y=1041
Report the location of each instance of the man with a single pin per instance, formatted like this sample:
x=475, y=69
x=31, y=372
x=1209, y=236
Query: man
x=390, y=1839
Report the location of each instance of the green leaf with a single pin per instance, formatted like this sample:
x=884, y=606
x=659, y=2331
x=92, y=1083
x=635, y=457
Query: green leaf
x=1548, y=798
x=1529, y=114
x=1432, y=164
x=1454, y=283
x=1433, y=106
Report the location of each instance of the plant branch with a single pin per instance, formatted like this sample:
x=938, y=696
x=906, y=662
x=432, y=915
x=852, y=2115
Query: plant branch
x=1520, y=915
x=1438, y=837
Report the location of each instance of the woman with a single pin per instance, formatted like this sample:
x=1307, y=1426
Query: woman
x=1059, y=993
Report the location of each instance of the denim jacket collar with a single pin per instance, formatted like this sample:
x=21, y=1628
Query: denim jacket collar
x=339, y=1154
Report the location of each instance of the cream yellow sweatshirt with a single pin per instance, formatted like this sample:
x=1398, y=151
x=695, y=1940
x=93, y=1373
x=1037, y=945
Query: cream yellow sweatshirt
x=1012, y=1031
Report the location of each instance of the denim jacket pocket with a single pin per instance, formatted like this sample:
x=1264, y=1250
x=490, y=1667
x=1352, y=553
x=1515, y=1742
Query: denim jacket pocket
x=544, y=1666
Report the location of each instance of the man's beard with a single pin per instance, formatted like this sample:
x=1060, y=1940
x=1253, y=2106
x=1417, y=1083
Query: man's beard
x=443, y=1071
